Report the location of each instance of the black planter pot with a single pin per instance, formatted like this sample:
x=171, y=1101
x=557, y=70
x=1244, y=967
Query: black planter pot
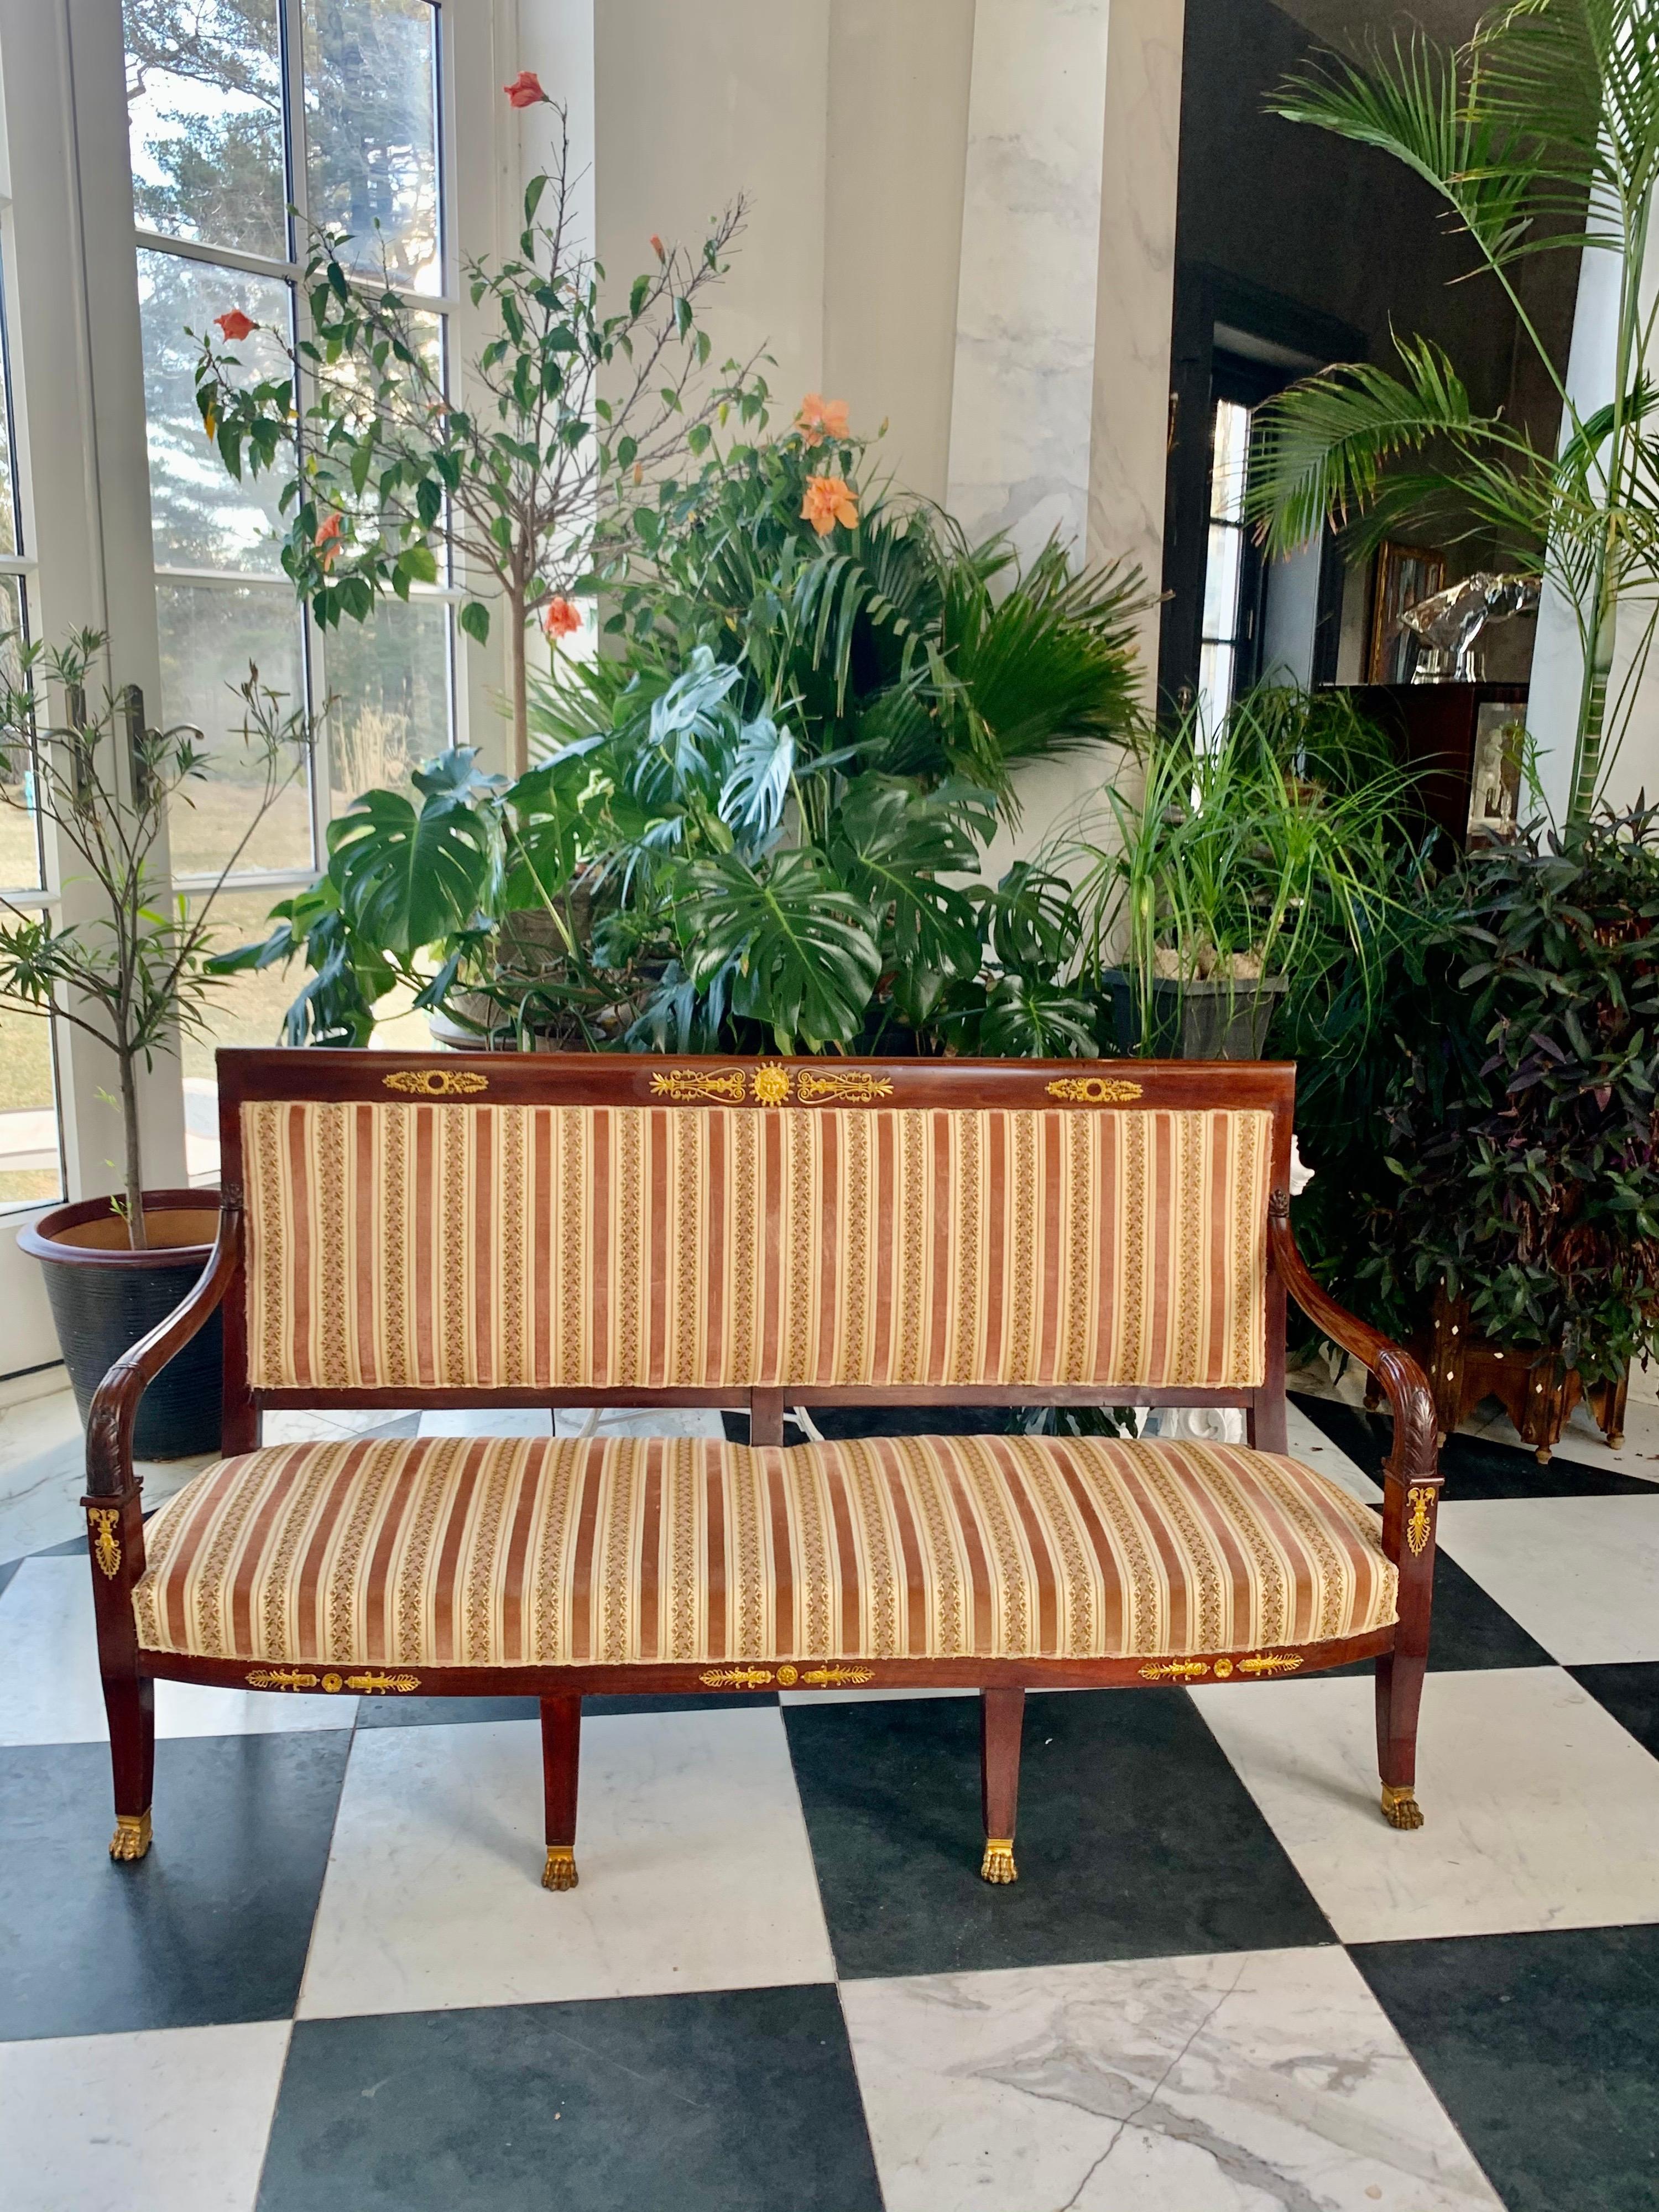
x=105, y=1297
x=1195, y=1020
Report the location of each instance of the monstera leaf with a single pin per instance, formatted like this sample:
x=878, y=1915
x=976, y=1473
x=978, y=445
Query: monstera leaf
x=408, y=878
x=1024, y=1020
x=803, y=958
x=890, y=844
x=546, y=825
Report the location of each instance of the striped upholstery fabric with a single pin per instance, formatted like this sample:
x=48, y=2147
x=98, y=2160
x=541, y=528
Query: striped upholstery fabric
x=474, y=1552
x=422, y=1246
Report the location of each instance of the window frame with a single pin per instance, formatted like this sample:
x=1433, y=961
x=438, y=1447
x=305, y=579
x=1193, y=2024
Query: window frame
x=447, y=301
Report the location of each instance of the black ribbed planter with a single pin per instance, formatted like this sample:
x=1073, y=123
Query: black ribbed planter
x=1195, y=1020
x=105, y=1297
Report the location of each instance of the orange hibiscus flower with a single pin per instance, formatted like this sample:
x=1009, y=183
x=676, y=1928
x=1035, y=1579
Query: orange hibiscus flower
x=830, y=499
x=561, y=617
x=327, y=541
x=820, y=418
x=525, y=90
x=235, y=326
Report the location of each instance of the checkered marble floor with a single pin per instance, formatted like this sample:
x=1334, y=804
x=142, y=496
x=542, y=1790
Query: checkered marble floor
x=1222, y=1984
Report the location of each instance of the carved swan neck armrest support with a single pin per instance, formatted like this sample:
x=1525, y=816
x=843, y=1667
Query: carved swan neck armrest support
x=115, y=1402
x=1411, y=1469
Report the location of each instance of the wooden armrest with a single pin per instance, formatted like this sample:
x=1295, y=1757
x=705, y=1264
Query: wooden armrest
x=115, y=1401
x=1414, y=1457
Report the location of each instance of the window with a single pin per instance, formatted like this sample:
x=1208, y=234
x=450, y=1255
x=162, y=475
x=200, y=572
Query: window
x=30, y=1146
x=1229, y=607
x=248, y=120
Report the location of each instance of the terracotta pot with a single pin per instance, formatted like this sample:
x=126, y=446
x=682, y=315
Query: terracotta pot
x=105, y=1297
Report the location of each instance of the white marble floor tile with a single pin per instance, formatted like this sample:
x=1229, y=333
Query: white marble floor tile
x=1541, y=1810
x=1580, y=1574
x=1582, y=1443
x=695, y=1873
x=172, y=2121
x=306, y=1425
x=1258, y=2081
x=1309, y=1443
x=646, y=1421
x=49, y=1687
x=486, y=1421
x=43, y=1473
x=570, y=1421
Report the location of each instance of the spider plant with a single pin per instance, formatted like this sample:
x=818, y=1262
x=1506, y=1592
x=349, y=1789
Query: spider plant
x=1272, y=850
x=1541, y=135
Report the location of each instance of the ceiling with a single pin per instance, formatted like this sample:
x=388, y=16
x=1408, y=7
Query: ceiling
x=1347, y=23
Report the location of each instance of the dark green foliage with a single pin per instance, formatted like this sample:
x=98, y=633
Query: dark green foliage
x=1498, y=1136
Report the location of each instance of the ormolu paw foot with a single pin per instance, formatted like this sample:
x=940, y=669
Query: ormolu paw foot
x=1400, y=1808
x=132, y=1837
x=998, y=1863
x=559, y=1872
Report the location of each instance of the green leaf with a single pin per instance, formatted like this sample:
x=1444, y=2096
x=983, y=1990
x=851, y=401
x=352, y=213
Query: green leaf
x=890, y=843
x=409, y=879
x=805, y=963
x=475, y=620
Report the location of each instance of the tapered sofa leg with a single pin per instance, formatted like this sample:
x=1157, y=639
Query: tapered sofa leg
x=129, y=1702
x=115, y=1544
x=1001, y=1716
x=1399, y=1695
x=562, y=1737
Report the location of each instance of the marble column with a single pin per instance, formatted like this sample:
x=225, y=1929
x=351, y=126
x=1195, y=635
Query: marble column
x=1060, y=406
x=1022, y=398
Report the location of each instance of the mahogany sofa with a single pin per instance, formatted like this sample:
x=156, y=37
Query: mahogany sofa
x=590, y=1231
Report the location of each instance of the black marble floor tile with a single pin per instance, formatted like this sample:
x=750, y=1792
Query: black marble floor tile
x=1631, y=1694
x=67, y=1550
x=427, y=1712
x=1545, y=2050
x=838, y=1423
x=734, y=2101
x=431, y=1712
x=1136, y=1838
x=1473, y=1467
x=211, y=1928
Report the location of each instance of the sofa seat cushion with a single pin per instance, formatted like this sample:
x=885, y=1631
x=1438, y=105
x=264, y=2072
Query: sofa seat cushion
x=504, y=1552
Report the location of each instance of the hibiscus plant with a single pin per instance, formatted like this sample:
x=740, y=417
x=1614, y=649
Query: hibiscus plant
x=529, y=477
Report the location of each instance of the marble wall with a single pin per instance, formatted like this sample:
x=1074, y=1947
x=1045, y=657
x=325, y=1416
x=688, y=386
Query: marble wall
x=1023, y=396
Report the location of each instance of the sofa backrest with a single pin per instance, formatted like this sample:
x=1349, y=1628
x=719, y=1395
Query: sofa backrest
x=530, y=1222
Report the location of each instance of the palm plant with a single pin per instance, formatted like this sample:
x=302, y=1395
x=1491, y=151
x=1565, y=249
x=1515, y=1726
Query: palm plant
x=1539, y=135
x=890, y=640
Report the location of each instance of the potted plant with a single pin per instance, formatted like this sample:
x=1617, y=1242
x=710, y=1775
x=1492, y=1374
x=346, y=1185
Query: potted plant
x=1518, y=1239
x=1238, y=866
x=534, y=473
x=133, y=976
x=752, y=823
x=1541, y=134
